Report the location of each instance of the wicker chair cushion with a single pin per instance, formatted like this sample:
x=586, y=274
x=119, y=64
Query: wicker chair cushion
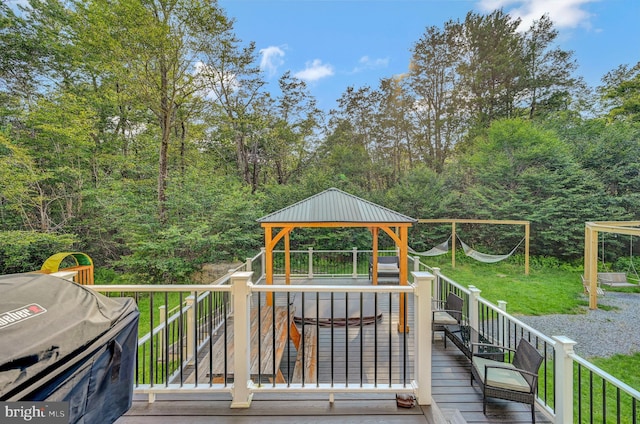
x=443, y=318
x=501, y=378
x=387, y=267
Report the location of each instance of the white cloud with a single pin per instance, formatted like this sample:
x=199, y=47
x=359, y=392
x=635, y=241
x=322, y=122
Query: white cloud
x=366, y=63
x=563, y=13
x=272, y=59
x=314, y=71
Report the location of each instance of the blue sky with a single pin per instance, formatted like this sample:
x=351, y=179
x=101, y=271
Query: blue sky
x=334, y=44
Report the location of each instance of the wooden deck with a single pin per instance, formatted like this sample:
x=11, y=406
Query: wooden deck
x=455, y=400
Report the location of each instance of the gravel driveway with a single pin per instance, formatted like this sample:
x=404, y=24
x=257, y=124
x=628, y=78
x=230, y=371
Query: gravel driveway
x=598, y=333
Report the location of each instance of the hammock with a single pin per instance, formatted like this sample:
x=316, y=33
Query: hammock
x=484, y=257
x=438, y=250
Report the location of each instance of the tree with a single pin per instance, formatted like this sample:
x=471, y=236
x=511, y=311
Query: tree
x=548, y=70
x=621, y=92
x=520, y=171
x=294, y=130
x=436, y=86
x=235, y=86
x=355, y=123
x=152, y=49
x=491, y=67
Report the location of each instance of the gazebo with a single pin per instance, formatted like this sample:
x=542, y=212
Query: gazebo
x=335, y=208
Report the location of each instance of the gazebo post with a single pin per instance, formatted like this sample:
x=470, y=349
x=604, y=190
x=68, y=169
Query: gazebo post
x=269, y=261
x=287, y=259
x=404, y=276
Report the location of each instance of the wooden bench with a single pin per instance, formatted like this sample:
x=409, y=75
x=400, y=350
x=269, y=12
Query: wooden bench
x=613, y=278
x=261, y=365
x=587, y=287
x=306, y=361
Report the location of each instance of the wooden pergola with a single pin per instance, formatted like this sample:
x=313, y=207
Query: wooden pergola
x=591, y=231
x=334, y=208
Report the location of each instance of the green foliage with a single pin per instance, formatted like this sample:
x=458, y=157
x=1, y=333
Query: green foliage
x=25, y=251
x=167, y=256
x=519, y=171
x=622, y=92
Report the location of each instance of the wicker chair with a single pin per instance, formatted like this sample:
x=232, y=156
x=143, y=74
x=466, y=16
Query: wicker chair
x=451, y=314
x=516, y=381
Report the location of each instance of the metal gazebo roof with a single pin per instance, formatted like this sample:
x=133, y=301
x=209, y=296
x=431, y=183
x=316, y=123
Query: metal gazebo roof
x=334, y=205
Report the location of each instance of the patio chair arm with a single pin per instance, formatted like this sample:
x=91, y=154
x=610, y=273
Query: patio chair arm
x=491, y=345
x=455, y=311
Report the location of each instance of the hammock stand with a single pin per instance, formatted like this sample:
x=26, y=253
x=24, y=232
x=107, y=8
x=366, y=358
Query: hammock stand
x=443, y=248
x=453, y=237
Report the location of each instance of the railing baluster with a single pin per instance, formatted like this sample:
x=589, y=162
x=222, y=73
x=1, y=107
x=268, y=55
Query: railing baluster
x=273, y=341
x=151, y=360
x=591, y=397
x=346, y=341
x=210, y=341
x=332, y=341
x=404, y=343
x=375, y=340
x=390, y=342
x=604, y=400
x=579, y=393
x=361, y=340
x=226, y=345
x=288, y=338
x=259, y=339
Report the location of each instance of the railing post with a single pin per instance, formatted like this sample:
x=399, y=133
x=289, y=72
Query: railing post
x=311, y=262
x=191, y=327
x=563, y=379
x=241, y=292
x=474, y=293
x=423, y=282
x=502, y=305
x=248, y=265
x=355, y=263
x=162, y=311
x=437, y=289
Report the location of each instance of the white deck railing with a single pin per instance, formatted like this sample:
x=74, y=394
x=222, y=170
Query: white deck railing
x=167, y=357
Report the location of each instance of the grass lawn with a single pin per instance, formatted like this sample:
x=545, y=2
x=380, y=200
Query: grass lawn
x=545, y=291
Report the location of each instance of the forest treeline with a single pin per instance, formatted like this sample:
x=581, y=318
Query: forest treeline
x=142, y=133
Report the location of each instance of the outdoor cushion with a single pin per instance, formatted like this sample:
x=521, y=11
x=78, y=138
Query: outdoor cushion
x=387, y=267
x=443, y=318
x=509, y=379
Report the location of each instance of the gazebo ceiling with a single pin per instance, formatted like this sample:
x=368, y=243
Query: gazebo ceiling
x=336, y=206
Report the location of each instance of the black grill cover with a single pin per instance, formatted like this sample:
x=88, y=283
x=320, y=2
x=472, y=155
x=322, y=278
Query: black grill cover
x=61, y=341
